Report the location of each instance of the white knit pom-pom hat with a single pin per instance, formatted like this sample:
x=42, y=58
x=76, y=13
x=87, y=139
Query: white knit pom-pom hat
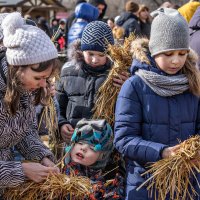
x=25, y=44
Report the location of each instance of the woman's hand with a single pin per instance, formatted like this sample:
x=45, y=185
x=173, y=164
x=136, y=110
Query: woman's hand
x=36, y=171
x=66, y=132
x=118, y=81
x=170, y=151
x=48, y=163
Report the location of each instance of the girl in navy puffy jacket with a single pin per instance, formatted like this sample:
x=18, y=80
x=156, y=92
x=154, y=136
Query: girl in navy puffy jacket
x=159, y=104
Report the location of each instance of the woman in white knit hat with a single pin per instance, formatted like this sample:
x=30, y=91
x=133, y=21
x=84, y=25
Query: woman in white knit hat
x=32, y=60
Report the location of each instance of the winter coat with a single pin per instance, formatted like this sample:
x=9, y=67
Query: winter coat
x=78, y=86
x=84, y=14
x=194, y=26
x=100, y=189
x=146, y=123
x=19, y=130
x=188, y=10
x=130, y=23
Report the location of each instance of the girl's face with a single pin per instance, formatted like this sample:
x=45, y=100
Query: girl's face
x=171, y=61
x=84, y=154
x=33, y=80
x=94, y=58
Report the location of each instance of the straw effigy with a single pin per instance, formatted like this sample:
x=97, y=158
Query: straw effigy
x=107, y=93
x=55, y=187
x=173, y=176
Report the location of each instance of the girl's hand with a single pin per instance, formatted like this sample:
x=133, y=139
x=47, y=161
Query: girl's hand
x=170, y=151
x=118, y=81
x=36, y=171
x=66, y=132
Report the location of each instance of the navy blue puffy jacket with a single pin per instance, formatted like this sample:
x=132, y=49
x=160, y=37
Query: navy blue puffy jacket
x=146, y=123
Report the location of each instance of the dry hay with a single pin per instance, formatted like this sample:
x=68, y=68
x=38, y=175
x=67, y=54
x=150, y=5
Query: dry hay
x=107, y=93
x=55, y=187
x=173, y=176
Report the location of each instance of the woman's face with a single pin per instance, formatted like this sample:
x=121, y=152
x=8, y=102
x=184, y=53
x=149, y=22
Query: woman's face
x=144, y=14
x=84, y=154
x=33, y=80
x=94, y=58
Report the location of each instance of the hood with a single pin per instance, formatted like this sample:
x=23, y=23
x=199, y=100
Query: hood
x=142, y=58
x=96, y=3
x=195, y=21
x=87, y=12
x=75, y=55
x=124, y=17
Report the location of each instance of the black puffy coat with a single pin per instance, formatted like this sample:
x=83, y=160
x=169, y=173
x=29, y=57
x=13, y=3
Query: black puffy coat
x=77, y=88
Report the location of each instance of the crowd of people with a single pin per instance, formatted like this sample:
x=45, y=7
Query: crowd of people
x=158, y=102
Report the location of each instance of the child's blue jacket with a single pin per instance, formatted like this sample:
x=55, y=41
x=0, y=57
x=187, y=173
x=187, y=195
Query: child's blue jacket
x=146, y=123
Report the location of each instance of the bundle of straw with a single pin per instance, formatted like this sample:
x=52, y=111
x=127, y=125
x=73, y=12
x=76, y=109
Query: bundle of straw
x=172, y=176
x=49, y=117
x=107, y=93
x=55, y=187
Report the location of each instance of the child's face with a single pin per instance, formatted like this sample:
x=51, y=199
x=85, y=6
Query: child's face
x=84, y=154
x=171, y=61
x=94, y=58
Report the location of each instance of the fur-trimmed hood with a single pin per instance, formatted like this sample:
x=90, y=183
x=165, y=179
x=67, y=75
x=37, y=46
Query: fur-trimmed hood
x=142, y=57
x=75, y=55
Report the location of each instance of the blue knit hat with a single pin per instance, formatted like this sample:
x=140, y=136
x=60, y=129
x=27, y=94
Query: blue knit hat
x=97, y=133
x=96, y=37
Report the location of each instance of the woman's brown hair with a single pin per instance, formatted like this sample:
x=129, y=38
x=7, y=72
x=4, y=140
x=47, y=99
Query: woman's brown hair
x=15, y=87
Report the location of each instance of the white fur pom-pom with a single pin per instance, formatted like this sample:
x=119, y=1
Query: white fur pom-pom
x=12, y=22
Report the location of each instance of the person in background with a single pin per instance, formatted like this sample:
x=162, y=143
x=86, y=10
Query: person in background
x=194, y=27
x=43, y=24
x=54, y=26
x=71, y=18
x=31, y=62
x=101, y=5
x=149, y=116
x=145, y=20
x=129, y=20
x=188, y=9
x=111, y=23
x=84, y=13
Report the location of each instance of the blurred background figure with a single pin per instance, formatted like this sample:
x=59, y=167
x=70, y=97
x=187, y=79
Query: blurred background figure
x=167, y=4
x=71, y=17
x=101, y=5
x=145, y=20
x=111, y=22
x=129, y=20
x=118, y=34
x=84, y=13
x=188, y=9
x=43, y=24
x=54, y=25
x=194, y=26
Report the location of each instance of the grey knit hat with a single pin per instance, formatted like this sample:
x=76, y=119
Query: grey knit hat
x=26, y=44
x=169, y=31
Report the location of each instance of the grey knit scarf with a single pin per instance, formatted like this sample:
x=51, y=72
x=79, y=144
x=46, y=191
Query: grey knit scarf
x=164, y=85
